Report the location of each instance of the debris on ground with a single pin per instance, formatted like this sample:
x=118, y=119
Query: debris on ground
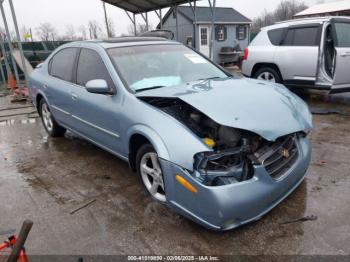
x=302, y=219
x=83, y=206
x=322, y=163
x=327, y=111
x=18, y=99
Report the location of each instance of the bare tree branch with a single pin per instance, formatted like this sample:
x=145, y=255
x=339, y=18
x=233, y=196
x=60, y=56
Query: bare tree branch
x=46, y=32
x=94, y=29
x=284, y=11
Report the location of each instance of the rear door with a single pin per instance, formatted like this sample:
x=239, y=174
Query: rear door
x=341, y=36
x=297, y=55
x=59, y=84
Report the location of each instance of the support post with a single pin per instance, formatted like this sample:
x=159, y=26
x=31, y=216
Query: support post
x=133, y=21
x=160, y=18
x=177, y=23
x=106, y=19
x=19, y=43
x=194, y=11
x=135, y=32
x=3, y=51
x=11, y=48
x=212, y=41
x=147, y=27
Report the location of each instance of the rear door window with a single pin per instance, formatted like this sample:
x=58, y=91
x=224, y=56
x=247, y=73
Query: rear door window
x=62, y=64
x=302, y=36
x=90, y=67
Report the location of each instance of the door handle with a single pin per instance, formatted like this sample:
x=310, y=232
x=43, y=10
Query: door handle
x=74, y=96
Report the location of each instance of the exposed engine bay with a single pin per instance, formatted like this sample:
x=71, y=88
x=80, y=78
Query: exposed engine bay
x=234, y=151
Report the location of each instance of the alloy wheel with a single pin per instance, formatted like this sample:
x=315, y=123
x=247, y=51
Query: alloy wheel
x=267, y=76
x=152, y=176
x=46, y=116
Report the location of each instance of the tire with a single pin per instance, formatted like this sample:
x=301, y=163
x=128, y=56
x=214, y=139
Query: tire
x=268, y=74
x=150, y=172
x=49, y=123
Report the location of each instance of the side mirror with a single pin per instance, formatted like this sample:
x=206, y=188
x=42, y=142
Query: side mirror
x=97, y=86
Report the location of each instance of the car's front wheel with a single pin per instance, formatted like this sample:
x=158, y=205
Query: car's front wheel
x=150, y=172
x=268, y=74
x=50, y=124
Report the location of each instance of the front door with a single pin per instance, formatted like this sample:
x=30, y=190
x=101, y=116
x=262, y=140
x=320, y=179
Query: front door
x=97, y=116
x=204, y=36
x=341, y=35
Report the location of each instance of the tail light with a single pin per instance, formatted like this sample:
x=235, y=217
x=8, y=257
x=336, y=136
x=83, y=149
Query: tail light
x=245, y=55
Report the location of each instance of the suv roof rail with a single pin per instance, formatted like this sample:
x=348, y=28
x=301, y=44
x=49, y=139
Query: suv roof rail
x=322, y=18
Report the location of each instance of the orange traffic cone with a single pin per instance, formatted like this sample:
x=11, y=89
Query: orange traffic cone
x=11, y=81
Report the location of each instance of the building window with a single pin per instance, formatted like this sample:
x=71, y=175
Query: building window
x=221, y=33
x=241, y=32
x=189, y=41
x=204, y=36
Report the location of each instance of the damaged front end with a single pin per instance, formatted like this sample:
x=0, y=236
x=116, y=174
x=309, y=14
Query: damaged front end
x=232, y=152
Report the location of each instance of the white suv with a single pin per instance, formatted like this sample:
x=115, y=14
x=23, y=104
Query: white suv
x=310, y=52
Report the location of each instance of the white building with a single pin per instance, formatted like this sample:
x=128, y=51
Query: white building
x=338, y=8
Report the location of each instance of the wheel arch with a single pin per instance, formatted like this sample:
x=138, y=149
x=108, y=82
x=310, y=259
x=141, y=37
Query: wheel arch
x=258, y=66
x=40, y=96
x=139, y=135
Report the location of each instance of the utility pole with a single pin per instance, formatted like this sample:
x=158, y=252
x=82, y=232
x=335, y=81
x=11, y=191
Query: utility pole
x=106, y=19
x=19, y=43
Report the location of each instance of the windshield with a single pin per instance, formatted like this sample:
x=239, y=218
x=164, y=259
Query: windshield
x=156, y=66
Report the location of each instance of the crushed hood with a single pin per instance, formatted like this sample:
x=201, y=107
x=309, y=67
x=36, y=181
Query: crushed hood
x=269, y=110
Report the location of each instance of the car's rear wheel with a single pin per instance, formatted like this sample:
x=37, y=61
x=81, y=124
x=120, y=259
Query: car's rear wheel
x=150, y=172
x=50, y=124
x=268, y=74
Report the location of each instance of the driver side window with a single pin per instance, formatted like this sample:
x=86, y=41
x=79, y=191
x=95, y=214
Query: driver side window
x=90, y=67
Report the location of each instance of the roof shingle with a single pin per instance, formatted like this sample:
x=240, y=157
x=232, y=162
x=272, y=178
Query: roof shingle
x=222, y=14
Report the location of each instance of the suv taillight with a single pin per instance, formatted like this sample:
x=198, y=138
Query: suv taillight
x=245, y=55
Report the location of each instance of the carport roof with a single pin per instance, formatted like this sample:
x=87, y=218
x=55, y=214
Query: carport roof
x=142, y=6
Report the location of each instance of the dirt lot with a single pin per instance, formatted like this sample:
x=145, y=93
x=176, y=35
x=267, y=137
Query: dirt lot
x=44, y=179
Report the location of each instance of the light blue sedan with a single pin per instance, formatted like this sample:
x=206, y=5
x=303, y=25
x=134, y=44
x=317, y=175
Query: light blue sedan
x=219, y=149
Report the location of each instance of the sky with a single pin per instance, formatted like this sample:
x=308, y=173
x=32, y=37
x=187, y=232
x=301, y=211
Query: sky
x=30, y=13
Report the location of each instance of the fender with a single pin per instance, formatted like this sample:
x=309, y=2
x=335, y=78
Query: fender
x=152, y=136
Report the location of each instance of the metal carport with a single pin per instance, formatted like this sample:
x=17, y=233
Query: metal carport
x=143, y=7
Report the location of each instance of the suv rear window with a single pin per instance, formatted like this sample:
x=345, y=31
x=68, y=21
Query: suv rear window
x=276, y=35
x=302, y=36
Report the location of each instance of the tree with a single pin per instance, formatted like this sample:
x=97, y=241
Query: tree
x=94, y=29
x=284, y=11
x=46, y=32
x=111, y=27
x=82, y=31
x=70, y=33
x=140, y=28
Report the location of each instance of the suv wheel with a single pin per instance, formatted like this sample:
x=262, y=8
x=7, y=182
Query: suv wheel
x=50, y=124
x=150, y=172
x=268, y=74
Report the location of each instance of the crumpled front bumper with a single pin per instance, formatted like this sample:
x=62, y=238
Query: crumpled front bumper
x=229, y=206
